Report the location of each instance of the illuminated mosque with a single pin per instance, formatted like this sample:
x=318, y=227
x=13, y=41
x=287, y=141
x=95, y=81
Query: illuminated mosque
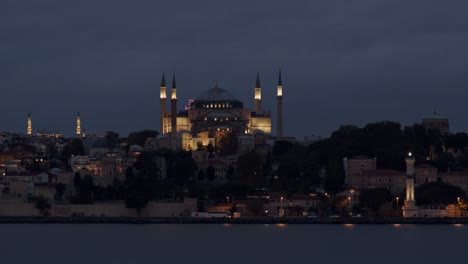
x=214, y=113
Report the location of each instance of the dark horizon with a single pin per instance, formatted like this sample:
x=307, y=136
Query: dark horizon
x=342, y=63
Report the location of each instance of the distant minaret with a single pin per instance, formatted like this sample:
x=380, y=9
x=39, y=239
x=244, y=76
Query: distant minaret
x=162, y=103
x=258, y=95
x=174, y=107
x=29, y=130
x=279, y=114
x=410, y=202
x=78, y=125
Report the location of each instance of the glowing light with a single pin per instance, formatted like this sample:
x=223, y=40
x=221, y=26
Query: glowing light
x=410, y=154
x=349, y=225
x=458, y=225
x=282, y=225
x=396, y=225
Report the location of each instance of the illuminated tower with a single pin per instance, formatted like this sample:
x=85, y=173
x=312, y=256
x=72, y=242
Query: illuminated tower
x=78, y=125
x=279, y=114
x=409, y=180
x=173, y=107
x=162, y=103
x=29, y=130
x=258, y=96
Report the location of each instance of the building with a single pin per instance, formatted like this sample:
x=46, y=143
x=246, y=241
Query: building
x=436, y=122
x=213, y=114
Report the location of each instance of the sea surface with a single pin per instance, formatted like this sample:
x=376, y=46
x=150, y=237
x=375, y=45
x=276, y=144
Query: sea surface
x=206, y=243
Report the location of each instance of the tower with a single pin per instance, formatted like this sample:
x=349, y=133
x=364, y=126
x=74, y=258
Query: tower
x=258, y=96
x=29, y=130
x=174, y=107
x=279, y=114
x=410, y=209
x=162, y=103
x=78, y=125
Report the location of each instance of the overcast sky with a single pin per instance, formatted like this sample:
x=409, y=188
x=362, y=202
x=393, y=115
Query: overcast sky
x=343, y=62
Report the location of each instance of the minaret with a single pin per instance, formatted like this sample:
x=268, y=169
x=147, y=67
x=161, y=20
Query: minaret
x=279, y=114
x=29, y=130
x=173, y=108
x=162, y=103
x=258, y=96
x=410, y=202
x=78, y=125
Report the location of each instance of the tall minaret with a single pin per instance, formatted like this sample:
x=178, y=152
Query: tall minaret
x=173, y=107
x=410, y=202
x=29, y=130
x=162, y=104
x=279, y=114
x=258, y=95
x=78, y=125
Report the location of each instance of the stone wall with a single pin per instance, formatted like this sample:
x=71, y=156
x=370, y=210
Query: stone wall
x=117, y=209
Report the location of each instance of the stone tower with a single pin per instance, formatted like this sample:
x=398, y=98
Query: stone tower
x=258, y=96
x=174, y=108
x=78, y=125
x=279, y=114
x=162, y=104
x=29, y=129
x=410, y=209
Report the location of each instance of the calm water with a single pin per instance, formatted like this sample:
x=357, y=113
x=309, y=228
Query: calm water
x=232, y=244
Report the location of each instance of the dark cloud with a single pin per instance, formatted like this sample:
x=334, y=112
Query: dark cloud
x=343, y=61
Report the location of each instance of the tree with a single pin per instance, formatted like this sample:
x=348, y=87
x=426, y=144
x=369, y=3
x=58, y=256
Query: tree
x=438, y=193
x=112, y=139
x=140, y=137
x=201, y=175
x=59, y=191
x=42, y=204
x=374, y=198
x=137, y=200
x=210, y=173
x=250, y=168
x=227, y=144
x=77, y=180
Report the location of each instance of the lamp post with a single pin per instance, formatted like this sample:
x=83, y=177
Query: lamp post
x=397, y=201
x=227, y=199
x=281, y=206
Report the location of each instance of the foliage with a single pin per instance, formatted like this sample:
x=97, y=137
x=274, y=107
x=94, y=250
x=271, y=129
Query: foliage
x=42, y=204
x=227, y=144
x=250, y=165
x=137, y=200
x=374, y=198
x=59, y=191
x=210, y=173
x=140, y=137
x=438, y=193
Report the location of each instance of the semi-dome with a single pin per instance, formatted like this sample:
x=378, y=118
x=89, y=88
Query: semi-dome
x=216, y=94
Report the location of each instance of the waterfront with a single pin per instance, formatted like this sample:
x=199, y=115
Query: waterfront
x=230, y=243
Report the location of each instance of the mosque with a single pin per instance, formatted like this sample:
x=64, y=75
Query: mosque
x=214, y=113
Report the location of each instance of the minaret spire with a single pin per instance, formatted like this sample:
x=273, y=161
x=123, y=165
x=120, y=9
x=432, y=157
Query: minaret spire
x=174, y=108
x=29, y=129
x=279, y=101
x=162, y=106
x=258, y=96
x=78, y=125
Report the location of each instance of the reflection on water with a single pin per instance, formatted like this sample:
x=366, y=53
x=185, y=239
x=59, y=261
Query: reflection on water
x=231, y=243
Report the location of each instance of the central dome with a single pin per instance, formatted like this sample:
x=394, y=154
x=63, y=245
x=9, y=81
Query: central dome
x=216, y=94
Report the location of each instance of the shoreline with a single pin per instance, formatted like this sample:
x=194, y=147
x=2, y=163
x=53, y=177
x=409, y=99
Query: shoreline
x=241, y=221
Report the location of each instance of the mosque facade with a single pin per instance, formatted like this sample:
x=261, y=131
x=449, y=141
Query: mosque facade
x=213, y=114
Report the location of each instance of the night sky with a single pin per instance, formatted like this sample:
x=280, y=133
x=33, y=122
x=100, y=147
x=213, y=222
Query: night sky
x=343, y=62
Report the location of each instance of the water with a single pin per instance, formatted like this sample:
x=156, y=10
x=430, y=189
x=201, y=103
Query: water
x=53, y=243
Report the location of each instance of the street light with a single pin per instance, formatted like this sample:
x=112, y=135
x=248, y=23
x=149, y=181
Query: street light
x=227, y=198
x=281, y=205
x=397, y=201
